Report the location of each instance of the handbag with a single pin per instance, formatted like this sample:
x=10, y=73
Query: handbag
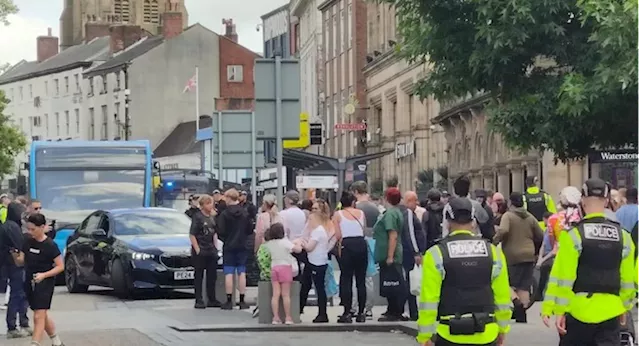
x=372, y=267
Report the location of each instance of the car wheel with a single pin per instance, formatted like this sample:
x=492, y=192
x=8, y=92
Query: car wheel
x=71, y=277
x=120, y=280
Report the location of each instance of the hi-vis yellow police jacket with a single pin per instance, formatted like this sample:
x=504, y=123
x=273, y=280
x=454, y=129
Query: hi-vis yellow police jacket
x=433, y=274
x=588, y=308
x=3, y=214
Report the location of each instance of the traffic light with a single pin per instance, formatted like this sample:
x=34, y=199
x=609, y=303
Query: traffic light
x=315, y=133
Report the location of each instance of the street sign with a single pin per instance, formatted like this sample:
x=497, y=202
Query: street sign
x=351, y=126
x=265, y=97
x=232, y=133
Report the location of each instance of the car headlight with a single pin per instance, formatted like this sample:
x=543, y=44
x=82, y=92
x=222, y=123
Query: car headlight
x=141, y=256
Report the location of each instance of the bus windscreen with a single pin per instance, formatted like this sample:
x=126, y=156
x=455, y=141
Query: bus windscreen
x=90, y=157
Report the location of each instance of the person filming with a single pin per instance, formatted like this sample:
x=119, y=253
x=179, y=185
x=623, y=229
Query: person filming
x=42, y=262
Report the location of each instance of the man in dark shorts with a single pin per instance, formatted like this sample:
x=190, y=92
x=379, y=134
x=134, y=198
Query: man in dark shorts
x=521, y=238
x=204, y=252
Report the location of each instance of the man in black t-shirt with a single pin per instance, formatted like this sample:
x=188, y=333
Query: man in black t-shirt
x=204, y=252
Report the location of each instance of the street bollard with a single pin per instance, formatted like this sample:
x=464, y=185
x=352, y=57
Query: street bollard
x=265, y=292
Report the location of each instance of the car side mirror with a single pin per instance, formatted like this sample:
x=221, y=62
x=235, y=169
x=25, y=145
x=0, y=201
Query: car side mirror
x=99, y=234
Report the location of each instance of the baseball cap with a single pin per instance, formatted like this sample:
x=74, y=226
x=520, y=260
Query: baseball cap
x=293, y=196
x=595, y=187
x=243, y=192
x=459, y=210
x=445, y=193
x=216, y=192
x=480, y=193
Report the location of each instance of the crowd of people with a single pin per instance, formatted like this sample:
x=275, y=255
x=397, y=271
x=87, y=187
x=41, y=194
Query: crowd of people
x=29, y=264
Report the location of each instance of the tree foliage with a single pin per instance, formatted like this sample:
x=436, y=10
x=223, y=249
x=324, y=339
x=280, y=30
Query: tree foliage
x=7, y=7
x=562, y=74
x=12, y=140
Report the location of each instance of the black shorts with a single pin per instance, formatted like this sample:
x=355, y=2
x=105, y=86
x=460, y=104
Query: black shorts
x=521, y=275
x=39, y=295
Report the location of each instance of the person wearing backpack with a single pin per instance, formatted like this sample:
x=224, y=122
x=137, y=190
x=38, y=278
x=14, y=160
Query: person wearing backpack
x=432, y=218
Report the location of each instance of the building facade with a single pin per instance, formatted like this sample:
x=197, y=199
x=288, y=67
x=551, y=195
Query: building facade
x=398, y=120
x=276, y=29
x=343, y=91
x=102, y=13
x=476, y=151
x=308, y=32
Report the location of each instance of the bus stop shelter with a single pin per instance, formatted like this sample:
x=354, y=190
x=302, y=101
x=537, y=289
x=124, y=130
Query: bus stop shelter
x=314, y=164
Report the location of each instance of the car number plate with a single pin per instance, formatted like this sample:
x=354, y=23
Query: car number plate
x=184, y=275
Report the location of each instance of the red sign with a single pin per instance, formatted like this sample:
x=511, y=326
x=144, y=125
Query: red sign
x=351, y=126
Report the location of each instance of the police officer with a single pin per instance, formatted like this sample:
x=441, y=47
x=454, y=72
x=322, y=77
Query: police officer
x=538, y=202
x=4, y=202
x=591, y=286
x=465, y=297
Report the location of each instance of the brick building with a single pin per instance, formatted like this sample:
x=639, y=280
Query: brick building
x=343, y=93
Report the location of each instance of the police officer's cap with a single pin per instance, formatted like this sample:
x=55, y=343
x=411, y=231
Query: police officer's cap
x=595, y=187
x=459, y=210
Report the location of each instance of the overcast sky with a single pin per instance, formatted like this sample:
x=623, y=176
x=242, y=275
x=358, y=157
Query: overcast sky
x=18, y=40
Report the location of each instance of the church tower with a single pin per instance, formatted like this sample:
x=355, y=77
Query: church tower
x=145, y=13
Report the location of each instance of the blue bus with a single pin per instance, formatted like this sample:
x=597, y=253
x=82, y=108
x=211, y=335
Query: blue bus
x=74, y=178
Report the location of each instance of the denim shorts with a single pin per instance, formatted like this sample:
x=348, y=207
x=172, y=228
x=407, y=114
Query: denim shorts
x=234, y=261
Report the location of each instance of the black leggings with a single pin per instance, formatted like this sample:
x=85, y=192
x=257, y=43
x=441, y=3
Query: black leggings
x=353, y=262
x=314, y=274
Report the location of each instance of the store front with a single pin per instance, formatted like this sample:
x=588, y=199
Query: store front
x=618, y=166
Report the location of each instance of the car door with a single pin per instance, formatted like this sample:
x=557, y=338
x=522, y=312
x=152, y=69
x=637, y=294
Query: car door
x=82, y=248
x=102, y=248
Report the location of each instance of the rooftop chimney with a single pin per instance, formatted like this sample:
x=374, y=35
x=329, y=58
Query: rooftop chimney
x=230, y=30
x=93, y=30
x=47, y=46
x=123, y=36
x=171, y=24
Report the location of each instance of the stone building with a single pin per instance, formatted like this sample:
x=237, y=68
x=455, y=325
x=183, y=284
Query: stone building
x=101, y=14
x=477, y=152
x=396, y=118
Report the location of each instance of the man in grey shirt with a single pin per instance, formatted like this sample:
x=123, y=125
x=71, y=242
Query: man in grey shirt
x=484, y=226
x=371, y=215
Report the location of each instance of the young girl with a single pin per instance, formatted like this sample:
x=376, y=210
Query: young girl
x=280, y=249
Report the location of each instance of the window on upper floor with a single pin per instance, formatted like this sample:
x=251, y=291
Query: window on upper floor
x=76, y=77
x=104, y=84
x=155, y=14
x=66, y=85
x=326, y=39
x=104, y=129
x=46, y=125
x=37, y=122
x=341, y=36
x=90, y=87
x=21, y=122
x=77, y=115
x=146, y=11
x=57, y=124
x=11, y=95
x=122, y=10
x=336, y=39
x=349, y=26
x=66, y=123
x=56, y=85
x=234, y=73
x=117, y=81
x=30, y=91
x=46, y=88
x=21, y=92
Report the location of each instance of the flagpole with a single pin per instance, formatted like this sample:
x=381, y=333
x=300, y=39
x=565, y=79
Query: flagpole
x=197, y=101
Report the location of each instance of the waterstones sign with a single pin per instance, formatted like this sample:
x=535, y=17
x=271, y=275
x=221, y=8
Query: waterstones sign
x=622, y=155
x=405, y=149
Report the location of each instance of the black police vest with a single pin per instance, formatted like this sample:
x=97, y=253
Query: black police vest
x=536, y=204
x=468, y=265
x=599, y=262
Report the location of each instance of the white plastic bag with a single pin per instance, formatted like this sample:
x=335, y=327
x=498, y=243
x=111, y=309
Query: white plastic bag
x=415, y=278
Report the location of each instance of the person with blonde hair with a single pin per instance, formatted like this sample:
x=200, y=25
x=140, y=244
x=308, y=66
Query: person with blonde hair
x=317, y=247
x=234, y=227
x=204, y=253
x=269, y=215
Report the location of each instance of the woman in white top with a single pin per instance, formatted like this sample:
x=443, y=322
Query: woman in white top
x=353, y=256
x=267, y=217
x=317, y=247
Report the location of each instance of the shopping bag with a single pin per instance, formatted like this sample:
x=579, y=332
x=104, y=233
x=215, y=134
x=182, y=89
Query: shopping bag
x=392, y=282
x=372, y=267
x=415, y=280
x=330, y=283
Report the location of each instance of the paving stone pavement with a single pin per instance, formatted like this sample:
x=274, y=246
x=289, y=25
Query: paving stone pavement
x=100, y=319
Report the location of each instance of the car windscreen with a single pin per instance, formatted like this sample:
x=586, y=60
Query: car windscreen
x=68, y=190
x=151, y=223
